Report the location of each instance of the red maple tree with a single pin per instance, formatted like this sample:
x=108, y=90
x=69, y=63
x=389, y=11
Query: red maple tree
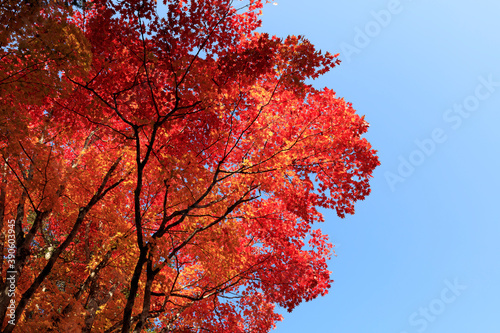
x=163, y=174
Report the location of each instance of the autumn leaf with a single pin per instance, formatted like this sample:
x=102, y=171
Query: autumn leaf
x=165, y=173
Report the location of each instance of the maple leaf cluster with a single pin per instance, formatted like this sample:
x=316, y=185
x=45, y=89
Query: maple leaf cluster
x=162, y=173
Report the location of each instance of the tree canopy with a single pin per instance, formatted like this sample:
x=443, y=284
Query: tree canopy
x=163, y=173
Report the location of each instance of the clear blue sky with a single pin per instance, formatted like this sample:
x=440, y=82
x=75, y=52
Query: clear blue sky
x=422, y=253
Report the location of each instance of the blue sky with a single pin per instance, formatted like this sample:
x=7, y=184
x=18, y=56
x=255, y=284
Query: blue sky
x=422, y=253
